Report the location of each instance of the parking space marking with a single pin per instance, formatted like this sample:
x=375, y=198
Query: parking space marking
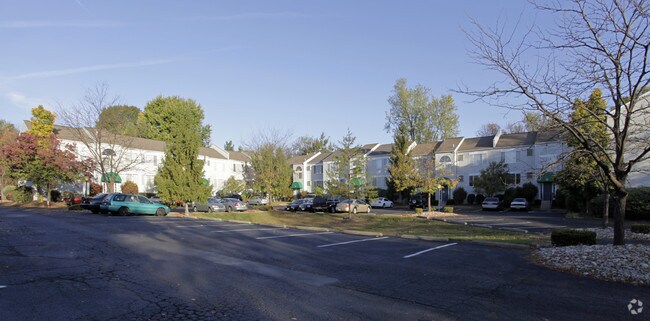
x=290, y=235
x=2, y=286
x=427, y=250
x=250, y=229
x=512, y=223
x=355, y=241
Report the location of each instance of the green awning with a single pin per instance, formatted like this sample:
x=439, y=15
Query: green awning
x=296, y=185
x=356, y=181
x=546, y=177
x=205, y=182
x=111, y=176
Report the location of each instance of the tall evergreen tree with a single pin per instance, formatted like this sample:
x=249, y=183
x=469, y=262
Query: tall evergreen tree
x=348, y=178
x=180, y=178
x=162, y=115
x=402, y=170
x=272, y=171
x=229, y=146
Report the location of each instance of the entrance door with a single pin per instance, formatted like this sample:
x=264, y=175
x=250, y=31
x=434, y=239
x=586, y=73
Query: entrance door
x=547, y=191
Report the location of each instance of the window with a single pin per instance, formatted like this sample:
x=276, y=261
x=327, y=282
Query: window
x=514, y=179
x=299, y=169
x=529, y=152
x=234, y=168
x=308, y=168
x=477, y=159
x=460, y=157
x=509, y=157
x=530, y=175
x=445, y=159
x=472, y=179
x=318, y=169
x=299, y=175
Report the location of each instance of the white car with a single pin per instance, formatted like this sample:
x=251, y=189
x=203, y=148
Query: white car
x=382, y=202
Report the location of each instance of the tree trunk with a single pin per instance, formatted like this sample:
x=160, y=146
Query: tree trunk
x=620, y=199
x=48, y=193
x=428, y=202
x=187, y=209
x=606, y=210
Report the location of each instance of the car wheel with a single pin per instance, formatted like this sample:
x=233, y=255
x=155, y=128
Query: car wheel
x=123, y=211
x=383, y=205
x=354, y=210
x=194, y=209
x=229, y=209
x=160, y=212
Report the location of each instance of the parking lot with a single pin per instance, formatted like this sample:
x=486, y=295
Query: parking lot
x=78, y=266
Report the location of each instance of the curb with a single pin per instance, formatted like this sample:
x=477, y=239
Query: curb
x=425, y=238
x=497, y=244
x=362, y=233
x=311, y=228
x=237, y=221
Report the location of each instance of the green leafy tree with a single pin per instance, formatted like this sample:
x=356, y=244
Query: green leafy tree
x=41, y=161
x=493, y=179
x=595, y=44
x=577, y=176
x=402, y=170
x=8, y=135
x=306, y=145
x=120, y=119
x=232, y=186
x=180, y=178
x=229, y=146
x=431, y=178
x=272, y=171
x=163, y=114
x=426, y=119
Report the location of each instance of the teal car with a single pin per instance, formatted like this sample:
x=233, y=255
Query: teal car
x=128, y=204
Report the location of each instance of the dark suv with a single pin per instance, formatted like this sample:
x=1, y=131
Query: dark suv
x=324, y=204
x=421, y=200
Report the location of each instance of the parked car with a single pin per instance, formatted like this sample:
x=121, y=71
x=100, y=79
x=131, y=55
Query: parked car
x=519, y=203
x=306, y=205
x=491, y=203
x=212, y=205
x=256, y=200
x=293, y=206
x=92, y=203
x=155, y=199
x=233, y=204
x=324, y=204
x=73, y=199
x=421, y=200
x=356, y=205
x=382, y=202
x=127, y=204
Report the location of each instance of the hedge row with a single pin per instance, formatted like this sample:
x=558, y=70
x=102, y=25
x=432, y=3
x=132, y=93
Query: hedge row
x=573, y=237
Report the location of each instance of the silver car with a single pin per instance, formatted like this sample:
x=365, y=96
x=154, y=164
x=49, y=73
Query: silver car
x=233, y=204
x=519, y=203
x=491, y=203
x=212, y=205
x=353, y=205
x=256, y=200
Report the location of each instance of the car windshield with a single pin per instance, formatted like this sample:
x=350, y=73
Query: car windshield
x=519, y=200
x=491, y=199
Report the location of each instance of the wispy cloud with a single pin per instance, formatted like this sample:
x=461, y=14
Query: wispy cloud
x=22, y=101
x=25, y=24
x=83, y=6
x=248, y=16
x=79, y=70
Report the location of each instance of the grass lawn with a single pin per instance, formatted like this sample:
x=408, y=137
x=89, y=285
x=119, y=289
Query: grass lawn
x=393, y=225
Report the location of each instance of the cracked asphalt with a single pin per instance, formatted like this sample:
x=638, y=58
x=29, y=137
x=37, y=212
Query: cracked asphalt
x=64, y=265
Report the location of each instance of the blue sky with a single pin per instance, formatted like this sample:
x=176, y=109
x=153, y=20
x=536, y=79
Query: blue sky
x=308, y=66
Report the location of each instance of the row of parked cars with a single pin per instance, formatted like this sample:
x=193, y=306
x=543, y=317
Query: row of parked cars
x=332, y=205
x=123, y=205
x=494, y=203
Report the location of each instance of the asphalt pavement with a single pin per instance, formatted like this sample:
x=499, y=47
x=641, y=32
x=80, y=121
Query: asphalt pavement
x=65, y=265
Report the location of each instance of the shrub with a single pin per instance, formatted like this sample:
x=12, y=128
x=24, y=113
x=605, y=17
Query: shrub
x=560, y=199
x=130, y=187
x=8, y=192
x=24, y=194
x=573, y=237
x=471, y=198
x=573, y=204
x=451, y=202
x=459, y=196
x=418, y=210
x=75, y=207
x=638, y=204
x=55, y=196
x=509, y=195
x=640, y=228
x=267, y=208
x=529, y=191
x=448, y=209
x=479, y=199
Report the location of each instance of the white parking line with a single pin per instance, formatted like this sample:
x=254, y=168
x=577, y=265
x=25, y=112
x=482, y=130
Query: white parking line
x=2, y=286
x=290, y=235
x=363, y=240
x=513, y=223
x=427, y=250
x=250, y=229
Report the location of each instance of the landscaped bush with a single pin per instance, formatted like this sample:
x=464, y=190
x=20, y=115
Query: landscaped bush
x=471, y=198
x=448, y=209
x=529, y=191
x=640, y=228
x=451, y=202
x=637, y=207
x=573, y=237
x=573, y=204
x=23, y=194
x=418, y=210
x=75, y=207
x=459, y=196
x=55, y=196
x=95, y=189
x=509, y=195
x=130, y=187
x=479, y=199
x=560, y=199
x=8, y=192
x=266, y=208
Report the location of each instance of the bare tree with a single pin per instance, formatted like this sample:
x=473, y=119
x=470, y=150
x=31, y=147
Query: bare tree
x=112, y=153
x=488, y=129
x=597, y=44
